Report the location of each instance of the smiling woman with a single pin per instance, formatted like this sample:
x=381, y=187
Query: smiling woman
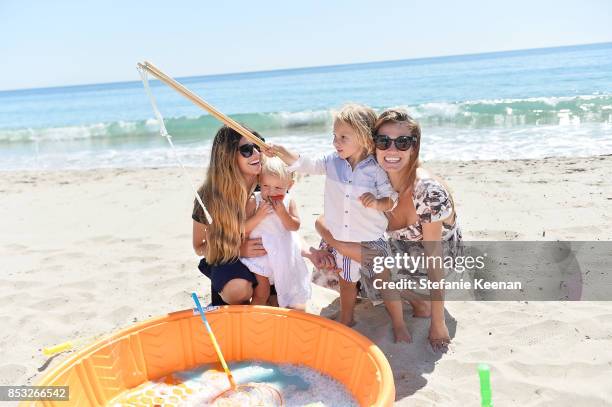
x=230, y=180
x=424, y=213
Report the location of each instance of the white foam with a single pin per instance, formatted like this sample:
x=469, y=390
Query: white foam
x=207, y=385
x=303, y=118
x=68, y=133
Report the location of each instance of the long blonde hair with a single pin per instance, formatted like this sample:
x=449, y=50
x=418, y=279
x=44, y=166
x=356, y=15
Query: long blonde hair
x=225, y=194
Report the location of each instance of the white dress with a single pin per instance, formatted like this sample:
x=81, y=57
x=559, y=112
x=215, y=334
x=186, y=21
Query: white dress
x=283, y=264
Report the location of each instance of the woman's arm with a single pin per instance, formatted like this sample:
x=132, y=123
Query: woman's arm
x=348, y=249
x=432, y=245
x=199, y=238
x=249, y=247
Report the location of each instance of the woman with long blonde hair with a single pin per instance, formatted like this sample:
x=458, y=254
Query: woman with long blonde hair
x=231, y=179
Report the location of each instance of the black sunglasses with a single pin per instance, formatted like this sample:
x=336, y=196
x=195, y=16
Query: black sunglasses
x=402, y=143
x=246, y=150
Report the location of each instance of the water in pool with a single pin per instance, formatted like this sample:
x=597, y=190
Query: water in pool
x=275, y=384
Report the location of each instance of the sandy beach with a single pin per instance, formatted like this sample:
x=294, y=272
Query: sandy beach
x=84, y=253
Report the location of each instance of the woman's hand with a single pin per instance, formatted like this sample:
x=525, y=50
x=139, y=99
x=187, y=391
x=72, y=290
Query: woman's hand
x=439, y=338
x=252, y=248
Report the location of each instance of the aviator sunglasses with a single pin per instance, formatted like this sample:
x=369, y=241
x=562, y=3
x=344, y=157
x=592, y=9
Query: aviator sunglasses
x=246, y=150
x=402, y=143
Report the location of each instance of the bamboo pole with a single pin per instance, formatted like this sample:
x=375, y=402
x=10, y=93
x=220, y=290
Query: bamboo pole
x=198, y=101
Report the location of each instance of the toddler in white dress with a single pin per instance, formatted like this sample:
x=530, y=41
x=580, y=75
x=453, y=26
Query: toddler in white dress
x=273, y=216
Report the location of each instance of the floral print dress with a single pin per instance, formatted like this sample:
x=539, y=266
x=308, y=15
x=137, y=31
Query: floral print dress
x=433, y=203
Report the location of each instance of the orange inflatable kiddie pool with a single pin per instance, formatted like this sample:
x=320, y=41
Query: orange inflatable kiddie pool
x=155, y=349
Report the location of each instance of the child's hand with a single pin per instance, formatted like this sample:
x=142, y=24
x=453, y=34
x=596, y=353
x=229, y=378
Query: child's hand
x=275, y=150
x=271, y=151
x=368, y=200
x=264, y=209
x=278, y=206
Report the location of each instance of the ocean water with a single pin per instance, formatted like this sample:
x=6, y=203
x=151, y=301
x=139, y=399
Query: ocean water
x=504, y=105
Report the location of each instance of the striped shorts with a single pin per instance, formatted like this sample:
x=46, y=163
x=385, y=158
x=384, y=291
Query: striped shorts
x=352, y=270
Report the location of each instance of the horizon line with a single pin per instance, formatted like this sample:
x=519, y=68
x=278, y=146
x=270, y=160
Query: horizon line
x=217, y=75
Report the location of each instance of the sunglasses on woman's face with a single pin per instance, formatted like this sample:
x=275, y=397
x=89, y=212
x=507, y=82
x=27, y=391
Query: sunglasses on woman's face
x=246, y=150
x=402, y=143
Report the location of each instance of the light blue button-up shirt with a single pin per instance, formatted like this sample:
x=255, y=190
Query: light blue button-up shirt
x=345, y=215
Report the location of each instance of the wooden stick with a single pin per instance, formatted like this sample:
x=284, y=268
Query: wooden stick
x=202, y=103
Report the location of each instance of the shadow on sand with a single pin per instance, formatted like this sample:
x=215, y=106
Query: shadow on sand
x=410, y=362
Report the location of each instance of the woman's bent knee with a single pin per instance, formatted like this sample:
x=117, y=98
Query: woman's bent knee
x=237, y=291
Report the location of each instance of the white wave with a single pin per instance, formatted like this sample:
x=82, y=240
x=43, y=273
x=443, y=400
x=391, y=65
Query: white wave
x=439, y=109
x=68, y=133
x=516, y=143
x=303, y=118
x=547, y=100
x=438, y=143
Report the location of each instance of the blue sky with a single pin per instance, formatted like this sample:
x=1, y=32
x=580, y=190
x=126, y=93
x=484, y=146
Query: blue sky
x=55, y=43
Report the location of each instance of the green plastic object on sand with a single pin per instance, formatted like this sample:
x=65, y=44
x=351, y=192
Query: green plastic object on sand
x=484, y=372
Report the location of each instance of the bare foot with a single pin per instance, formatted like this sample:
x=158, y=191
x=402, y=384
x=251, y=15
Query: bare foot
x=347, y=317
x=421, y=309
x=401, y=334
x=350, y=323
x=439, y=338
x=272, y=301
x=259, y=301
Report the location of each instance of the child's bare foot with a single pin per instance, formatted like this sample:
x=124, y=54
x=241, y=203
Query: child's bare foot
x=259, y=301
x=298, y=307
x=421, y=309
x=272, y=301
x=401, y=333
x=348, y=321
